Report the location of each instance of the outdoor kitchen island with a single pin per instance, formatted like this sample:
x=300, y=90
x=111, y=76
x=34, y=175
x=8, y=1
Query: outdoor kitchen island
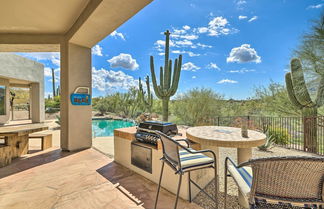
x=128, y=152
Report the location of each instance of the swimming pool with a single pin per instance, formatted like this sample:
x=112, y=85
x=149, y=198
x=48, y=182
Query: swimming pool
x=107, y=127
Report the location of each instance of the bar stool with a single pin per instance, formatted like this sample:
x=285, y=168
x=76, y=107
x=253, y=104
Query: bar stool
x=185, y=159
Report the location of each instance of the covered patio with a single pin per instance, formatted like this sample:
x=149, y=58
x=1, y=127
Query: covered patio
x=71, y=174
x=71, y=28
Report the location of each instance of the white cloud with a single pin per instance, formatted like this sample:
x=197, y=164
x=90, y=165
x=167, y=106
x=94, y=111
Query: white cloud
x=186, y=27
x=47, y=72
x=317, y=6
x=194, y=77
x=240, y=4
x=191, y=54
x=189, y=66
x=226, y=81
x=203, y=45
x=243, y=70
x=53, y=57
x=241, y=17
x=253, y=18
x=202, y=30
x=124, y=61
x=97, y=50
x=116, y=34
x=189, y=36
x=184, y=43
x=104, y=80
x=216, y=27
x=160, y=44
x=185, y=37
x=213, y=66
x=243, y=53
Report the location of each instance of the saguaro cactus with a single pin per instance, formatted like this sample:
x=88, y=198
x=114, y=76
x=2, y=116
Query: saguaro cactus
x=147, y=100
x=299, y=97
x=168, y=86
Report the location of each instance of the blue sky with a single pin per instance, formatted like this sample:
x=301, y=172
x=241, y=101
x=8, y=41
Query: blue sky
x=230, y=46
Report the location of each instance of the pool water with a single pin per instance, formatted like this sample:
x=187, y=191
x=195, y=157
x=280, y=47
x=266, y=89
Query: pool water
x=107, y=127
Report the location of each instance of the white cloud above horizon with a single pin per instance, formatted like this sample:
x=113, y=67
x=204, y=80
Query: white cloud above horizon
x=316, y=6
x=123, y=61
x=243, y=70
x=253, y=18
x=216, y=27
x=242, y=17
x=116, y=35
x=189, y=66
x=105, y=80
x=97, y=50
x=240, y=4
x=212, y=65
x=53, y=57
x=243, y=54
x=226, y=80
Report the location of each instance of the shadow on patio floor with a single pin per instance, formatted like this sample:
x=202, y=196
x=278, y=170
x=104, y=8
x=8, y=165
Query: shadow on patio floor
x=33, y=159
x=139, y=189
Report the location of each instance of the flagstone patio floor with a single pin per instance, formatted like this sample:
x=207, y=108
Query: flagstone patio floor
x=87, y=179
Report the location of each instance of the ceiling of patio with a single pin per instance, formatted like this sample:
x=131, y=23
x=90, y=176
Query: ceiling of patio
x=40, y=25
x=42, y=17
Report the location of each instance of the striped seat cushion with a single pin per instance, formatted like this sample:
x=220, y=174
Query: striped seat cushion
x=189, y=160
x=243, y=178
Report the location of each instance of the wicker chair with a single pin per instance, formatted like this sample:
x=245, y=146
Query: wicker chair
x=184, y=160
x=279, y=182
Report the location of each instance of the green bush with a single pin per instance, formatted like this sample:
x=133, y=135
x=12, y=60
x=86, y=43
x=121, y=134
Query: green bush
x=280, y=135
x=197, y=106
x=101, y=106
x=52, y=102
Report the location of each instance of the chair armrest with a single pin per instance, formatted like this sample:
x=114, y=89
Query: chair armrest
x=184, y=140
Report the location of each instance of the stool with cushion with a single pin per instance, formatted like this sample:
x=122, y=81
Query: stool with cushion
x=184, y=160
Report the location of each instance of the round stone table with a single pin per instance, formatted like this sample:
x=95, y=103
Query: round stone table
x=212, y=137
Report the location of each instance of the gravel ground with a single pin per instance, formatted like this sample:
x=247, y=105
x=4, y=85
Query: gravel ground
x=232, y=201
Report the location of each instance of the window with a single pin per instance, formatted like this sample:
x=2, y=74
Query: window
x=2, y=100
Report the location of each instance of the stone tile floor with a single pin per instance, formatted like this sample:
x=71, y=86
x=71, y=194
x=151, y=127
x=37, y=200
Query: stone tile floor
x=86, y=179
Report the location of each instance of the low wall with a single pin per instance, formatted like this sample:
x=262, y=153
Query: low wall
x=122, y=144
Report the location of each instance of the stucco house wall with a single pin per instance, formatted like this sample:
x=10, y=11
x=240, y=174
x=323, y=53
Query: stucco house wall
x=16, y=69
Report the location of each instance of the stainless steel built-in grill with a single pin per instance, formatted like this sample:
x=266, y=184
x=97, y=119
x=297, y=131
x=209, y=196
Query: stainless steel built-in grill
x=146, y=140
x=145, y=131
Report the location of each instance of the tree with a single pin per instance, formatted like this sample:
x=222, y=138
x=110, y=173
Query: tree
x=146, y=100
x=311, y=49
x=198, y=106
x=272, y=100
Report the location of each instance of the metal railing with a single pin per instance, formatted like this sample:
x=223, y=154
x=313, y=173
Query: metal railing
x=300, y=133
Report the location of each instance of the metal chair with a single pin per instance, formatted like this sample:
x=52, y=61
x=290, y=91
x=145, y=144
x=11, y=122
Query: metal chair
x=184, y=160
x=279, y=182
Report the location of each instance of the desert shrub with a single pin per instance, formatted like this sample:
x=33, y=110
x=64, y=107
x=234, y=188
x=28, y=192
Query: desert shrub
x=280, y=135
x=101, y=106
x=52, y=102
x=197, y=106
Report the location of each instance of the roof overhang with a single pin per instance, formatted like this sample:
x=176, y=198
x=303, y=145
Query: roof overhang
x=42, y=25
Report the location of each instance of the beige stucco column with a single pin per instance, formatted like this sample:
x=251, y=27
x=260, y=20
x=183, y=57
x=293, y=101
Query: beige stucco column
x=36, y=99
x=75, y=120
x=5, y=117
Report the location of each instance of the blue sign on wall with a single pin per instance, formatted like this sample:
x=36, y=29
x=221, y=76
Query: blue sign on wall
x=81, y=98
